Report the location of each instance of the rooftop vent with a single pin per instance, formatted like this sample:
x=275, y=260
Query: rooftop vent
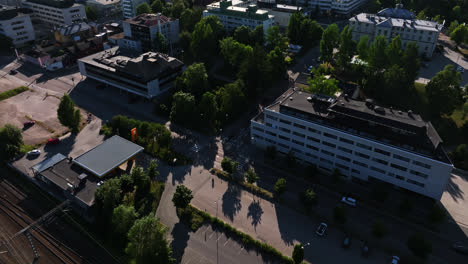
x=309, y=99
x=291, y=98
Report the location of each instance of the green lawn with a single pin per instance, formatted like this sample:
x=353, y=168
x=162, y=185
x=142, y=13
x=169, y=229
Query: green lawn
x=11, y=93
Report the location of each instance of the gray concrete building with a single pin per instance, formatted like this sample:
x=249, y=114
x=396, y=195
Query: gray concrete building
x=56, y=13
x=15, y=23
x=129, y=7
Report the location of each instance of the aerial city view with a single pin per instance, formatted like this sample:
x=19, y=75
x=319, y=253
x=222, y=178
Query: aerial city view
x=233, y=131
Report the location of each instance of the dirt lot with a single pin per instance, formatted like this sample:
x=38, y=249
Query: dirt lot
x=8, y=82
x=39, y=107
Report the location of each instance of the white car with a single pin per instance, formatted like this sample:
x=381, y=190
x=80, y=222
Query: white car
x=460, y=69
x=349, y=201
x=100, y=183
x=395, y=260
x=321, y=229
x=34, y=152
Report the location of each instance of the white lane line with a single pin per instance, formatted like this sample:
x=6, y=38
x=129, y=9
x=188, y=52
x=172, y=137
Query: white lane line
x=226, y=242
x=242, y=248
x=212, y=234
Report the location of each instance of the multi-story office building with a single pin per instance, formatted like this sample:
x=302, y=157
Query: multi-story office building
x=106, y=8
x=391, y=22
x=147, y=75
x=233, y=14
x=56, y=13
x=140, y=31
x=342, y=7
x=15, y=23
x=129, y=7
x=364, y=141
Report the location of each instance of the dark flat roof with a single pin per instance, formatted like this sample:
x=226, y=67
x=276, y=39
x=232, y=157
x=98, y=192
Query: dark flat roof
x=108, y=155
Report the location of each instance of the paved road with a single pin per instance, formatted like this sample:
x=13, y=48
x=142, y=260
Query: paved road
x=439, y=61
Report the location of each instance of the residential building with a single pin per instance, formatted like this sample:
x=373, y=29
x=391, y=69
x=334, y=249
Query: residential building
x=15, y=23
x=106, y=8
x=73, y=33
x=56, y=13
x=364, y=141
x=148, y=74
x=282, y=13
x=341, y=7
x=140, y=31
x=129, y=7
x=234, y=13
x=391, y=22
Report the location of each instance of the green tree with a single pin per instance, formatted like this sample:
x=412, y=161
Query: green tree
x=11, y=141
x=453, y=25
x=189, y=18
x=152, y=170
x=418, y=244
x=393, y=51
x=323, y=85
x=231, y=100
x=143, y=9
x=182, y=111
x=275, y=62
x=107, y=197
x=194, y=80
x=205, y=36
x=363, y=48
x=460, y=34
x=209, y=110
x=126, y=183
x=160, y=43
x=293, y=30
x=229, y=165
x=76, y=120
x=330, y=40
x=123, y=218
x=147, y=242
x=347, y=47
x=378, y=229
x=298, y=253
x=242, y=35
x=274, y=38
x=421, y=15
x=257, y=36
x=396, y=84
x=280, y=187
x=443, y=91
x=66, y=113
x=254, y=72
x=410, y=61
x=377, y=55
x=308, y=198
x=182, y=196
x=157, y=6
x=234, y=52
x=251, y=176
x=185, y=38
x=460, y=155
x=339, y=215
x=91, y=13
x=312, y=32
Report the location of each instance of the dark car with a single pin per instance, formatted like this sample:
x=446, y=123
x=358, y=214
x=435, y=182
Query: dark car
x=29, y=123
x=53, y=141
x=365, y=250
x=346, y=242
x=460, y=248
x=13, y=72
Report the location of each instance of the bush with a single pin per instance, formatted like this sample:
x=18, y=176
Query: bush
x=182, y=196
x=13, y=92
x=339, y=215
x=298, y=253
x=229, y=165
x=308, y=198
x=419, y=245
x=378, y=229
x=280, y=186
x=437, y=214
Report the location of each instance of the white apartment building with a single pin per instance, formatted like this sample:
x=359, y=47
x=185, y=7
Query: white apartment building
x=342, y=7
x=233, y=14
x=140, y=31
x=391, y=22
x=129, y=7
x=106, y=8
x=15, y=23
x=364, y=141
x=56, y=13
x=147, y=75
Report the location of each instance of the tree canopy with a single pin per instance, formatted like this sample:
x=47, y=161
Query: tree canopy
x=143, y=9
x=123, y=218
x=160, y=43
x=182, y=196
x=194, y=80
x=67, y=114
x=91, y=13
x=323, y=85
x=443, y=91
x=11, y=141
x=330, y=40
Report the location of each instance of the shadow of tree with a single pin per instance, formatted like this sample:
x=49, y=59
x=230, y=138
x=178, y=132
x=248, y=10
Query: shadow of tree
x=454, y=190
x=255, y=212
x=231, y=201
x=180, y=235
x=64, y=147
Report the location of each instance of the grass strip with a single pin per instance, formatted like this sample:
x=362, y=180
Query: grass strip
x=41, y=124
x=250, y=187
x=13, y=92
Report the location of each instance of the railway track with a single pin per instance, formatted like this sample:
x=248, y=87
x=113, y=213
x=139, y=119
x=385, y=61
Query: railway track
x=19, y=216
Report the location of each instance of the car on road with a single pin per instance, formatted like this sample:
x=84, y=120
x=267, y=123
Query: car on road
x=34, y=152
x=365, y=250
x=460, y=248
x=395, y=260
x=53, y=141
x=349, y=201
x=100, y=183
x=29, y=123
x=460, y=69
x=346, y=242
x=13, y=72
x=321, y=229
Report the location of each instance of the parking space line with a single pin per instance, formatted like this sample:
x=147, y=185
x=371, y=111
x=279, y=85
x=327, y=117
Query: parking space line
x=242, y=248
x=212, y=234
x=226, y=241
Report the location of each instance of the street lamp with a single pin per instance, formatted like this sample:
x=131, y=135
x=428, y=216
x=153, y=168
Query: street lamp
x=307, y=244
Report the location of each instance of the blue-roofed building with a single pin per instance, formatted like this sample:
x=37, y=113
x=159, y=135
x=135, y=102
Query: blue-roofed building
x=391, y=22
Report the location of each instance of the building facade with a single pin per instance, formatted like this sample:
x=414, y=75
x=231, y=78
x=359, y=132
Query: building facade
x=140, y=31
x=342, y=7
x=391, y=22
x=233, y=14
x=364, y=141
x=56, y=13
x=129, y=7
x=147, y=75
x=106, y=8
x=15, y=23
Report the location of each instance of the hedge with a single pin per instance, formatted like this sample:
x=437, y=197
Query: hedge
x=13, y=92
x=250, y=187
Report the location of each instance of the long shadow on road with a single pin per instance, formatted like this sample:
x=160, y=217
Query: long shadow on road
x=231, y=201
x=181, y=236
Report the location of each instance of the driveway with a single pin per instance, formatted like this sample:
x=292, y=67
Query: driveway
x=439, y=61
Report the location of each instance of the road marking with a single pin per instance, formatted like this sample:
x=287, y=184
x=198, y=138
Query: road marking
x=242, y=248
x=226, y=241
x=219, y=237
x=189, y=261
x=212, y=234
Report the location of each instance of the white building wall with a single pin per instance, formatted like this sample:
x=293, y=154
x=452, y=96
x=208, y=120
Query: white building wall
x=57, y=16
x=309, y=142
x=230, y=23
x=19, y=29
x=129, y=7
x=343, y=7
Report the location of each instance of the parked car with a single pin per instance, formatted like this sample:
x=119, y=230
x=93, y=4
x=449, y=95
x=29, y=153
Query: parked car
x=100, y=183
x=53, y=141
x=34, y=152
x=349, y=201
x=365, y=250
x=13, y=72
x=460, y=69
x=460, y=248
x=29, y=123
x=395, y=260
x=321, y=229
x=346, y=242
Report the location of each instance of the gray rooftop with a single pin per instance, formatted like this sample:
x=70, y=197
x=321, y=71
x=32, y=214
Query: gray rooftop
x=108, y=155
x=73, y=29
x=397, y=22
